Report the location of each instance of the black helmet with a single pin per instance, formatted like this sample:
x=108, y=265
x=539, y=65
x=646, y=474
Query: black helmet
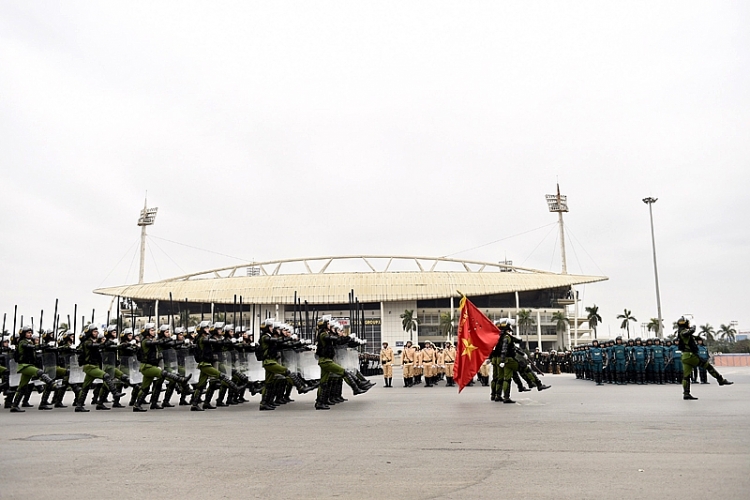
x=619, y=337
x=683, y=322
x=637, y=339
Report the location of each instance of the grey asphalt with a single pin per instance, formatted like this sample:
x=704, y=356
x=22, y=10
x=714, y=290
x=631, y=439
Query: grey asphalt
x=575, y=440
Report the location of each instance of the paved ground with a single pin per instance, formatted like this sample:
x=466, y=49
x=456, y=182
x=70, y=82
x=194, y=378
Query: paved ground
x=573, y=441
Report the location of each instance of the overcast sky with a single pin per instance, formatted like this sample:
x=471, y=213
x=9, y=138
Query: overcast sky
x=289, y=129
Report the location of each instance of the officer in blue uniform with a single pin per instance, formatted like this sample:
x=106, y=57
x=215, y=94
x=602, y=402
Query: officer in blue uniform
x=596, y=358
x=639, y=361
x=703, y=356
x=658, y=361
x=619, y=355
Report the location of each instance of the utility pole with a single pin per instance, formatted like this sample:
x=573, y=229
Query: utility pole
x=147, y=218
x=650, y=201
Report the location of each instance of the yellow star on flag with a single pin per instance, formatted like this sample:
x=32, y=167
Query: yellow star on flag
x=468, y=347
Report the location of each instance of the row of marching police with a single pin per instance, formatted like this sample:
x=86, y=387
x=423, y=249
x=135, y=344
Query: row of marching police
x=198, y=363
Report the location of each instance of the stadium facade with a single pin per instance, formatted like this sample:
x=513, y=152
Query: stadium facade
x=373, y=291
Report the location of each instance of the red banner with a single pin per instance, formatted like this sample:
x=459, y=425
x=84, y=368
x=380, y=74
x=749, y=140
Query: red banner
x=477, y=337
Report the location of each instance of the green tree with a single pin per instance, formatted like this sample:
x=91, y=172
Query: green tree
x=561, y=321
x=709, y=333
x=653, y=325
x=525, y=320
x=727, y=333
x=626, y=318
x=593, y=317
x=446, y=325
x=408, y=322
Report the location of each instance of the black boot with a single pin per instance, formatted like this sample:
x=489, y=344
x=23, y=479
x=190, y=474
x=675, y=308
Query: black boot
x=209, y=395
x=155, y=396
x=222, y=394
x=723, y=381
x=44, y=405
x=195, y=400
x=168, y=396
x=265, y=396
x=14, y=408
x=540, y=386
x=322, y=399
x=140, y=401
x=57, y=399
x=107, y=379
x=26, y=395
x=81, y=400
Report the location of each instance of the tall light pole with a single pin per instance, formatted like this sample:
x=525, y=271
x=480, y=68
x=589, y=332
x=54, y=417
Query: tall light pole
x=559, y=203
x=147, y=218
x=650, y=201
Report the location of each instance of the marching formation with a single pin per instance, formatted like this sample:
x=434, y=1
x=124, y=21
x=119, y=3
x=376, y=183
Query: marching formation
x=195, y=362
x=650, y=362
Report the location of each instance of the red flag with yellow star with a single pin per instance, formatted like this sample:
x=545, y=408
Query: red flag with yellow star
x=477, y=337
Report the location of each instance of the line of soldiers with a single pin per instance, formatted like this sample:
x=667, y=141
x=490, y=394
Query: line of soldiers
x=430, y=362
x=636, y=362
x=216, y=356
x=553, y=361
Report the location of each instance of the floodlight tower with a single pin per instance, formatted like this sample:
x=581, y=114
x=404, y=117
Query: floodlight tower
x=147, y=218
x=559, y=203
x=650, y=201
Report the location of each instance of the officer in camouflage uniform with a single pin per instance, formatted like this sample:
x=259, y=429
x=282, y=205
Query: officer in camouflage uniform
x=689, y=346
x=507, y=356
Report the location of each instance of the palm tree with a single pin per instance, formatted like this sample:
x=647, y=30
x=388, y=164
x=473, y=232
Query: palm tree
x=525, y=320
x=561, y=321
x=593, y=317
x=727, y=332
x=446, y=325
x=653, y=325
x=626, y=319
x=708, y=332
x=409, y=322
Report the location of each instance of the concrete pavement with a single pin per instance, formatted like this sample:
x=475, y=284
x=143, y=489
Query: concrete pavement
x=575, y=441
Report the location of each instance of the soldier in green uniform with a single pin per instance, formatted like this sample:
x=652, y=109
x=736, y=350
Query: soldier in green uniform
x=327, y=340
x=507, y=359
x=688, y=344
x=277, y=375
x=91, y=360
x=25, y=356
x=210, y=377
x=150, y=349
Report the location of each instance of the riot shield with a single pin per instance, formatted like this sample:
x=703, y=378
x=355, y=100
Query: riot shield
x=289, y=359
x=241, y=363
x=191, y=368
x=14, y=378
x=75, y=372
x=169, y=360
x=109, y=362
x=130, y=366
x=352, y=359
x=308, y=366
x=255, y=371
x=49, y=364
x=223, y=363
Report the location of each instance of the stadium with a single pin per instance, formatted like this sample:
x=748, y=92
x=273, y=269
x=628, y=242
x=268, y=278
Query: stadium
x=368, y=294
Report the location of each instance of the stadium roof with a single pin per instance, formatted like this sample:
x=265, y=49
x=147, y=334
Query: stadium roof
x=328, y=280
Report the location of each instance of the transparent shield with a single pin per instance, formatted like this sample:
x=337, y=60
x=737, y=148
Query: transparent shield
x=290, y=360
x=109, y=362
x=308, y=366
x=191, y=368
x=14, y=378
x=241, y=364
x=75, y=375
x=255, y=371
x=49, y=364
x=134, y=368
x=169, y=359
x=352, y=359
x=224, y=363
